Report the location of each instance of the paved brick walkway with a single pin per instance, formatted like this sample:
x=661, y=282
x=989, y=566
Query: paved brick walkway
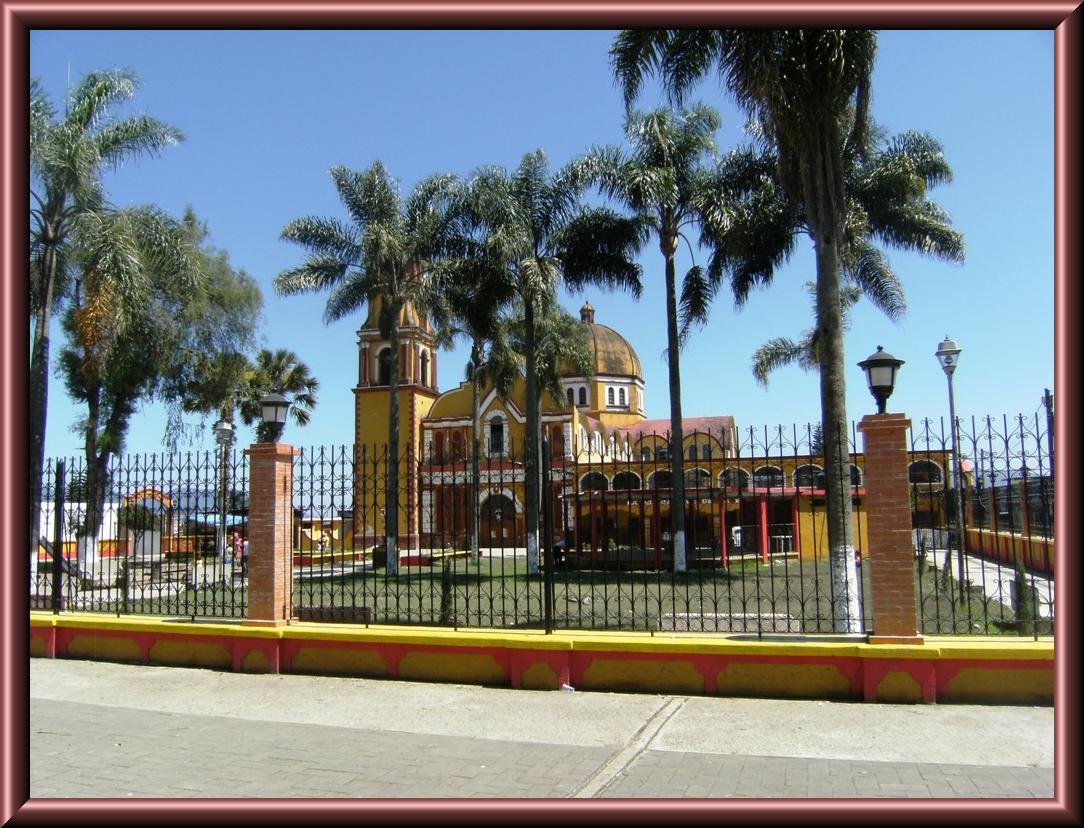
x=93, y=750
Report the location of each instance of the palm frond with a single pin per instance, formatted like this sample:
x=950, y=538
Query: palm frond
x=868, y=267
x=780, y=352
x=324, y=236
x=346, y=297
x=316, y=274
x=634, y=54
x=117, y=142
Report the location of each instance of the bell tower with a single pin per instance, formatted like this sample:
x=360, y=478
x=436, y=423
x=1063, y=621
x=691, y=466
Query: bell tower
x=372, y=409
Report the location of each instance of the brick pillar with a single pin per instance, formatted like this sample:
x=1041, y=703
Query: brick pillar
x=888, y=517
x=270, y=527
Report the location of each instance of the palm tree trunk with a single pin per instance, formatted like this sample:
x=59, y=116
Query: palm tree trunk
x=530, y=443
x=476, y=453
x=39, y=395
x=837, y=466
x=87, y=543
x=391, y=499
x=677, y=464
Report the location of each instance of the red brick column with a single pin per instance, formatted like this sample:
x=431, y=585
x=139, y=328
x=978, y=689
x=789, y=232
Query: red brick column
x=888, y=517
x=270, y=529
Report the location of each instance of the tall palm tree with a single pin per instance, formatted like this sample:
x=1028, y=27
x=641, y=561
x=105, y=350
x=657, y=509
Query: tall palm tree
x=887, y=201
x=382, y=254
x=664, y=181
x=809, y=90
x=67, y=156
x=465, y=299
x=278, y=372
x=541, y=234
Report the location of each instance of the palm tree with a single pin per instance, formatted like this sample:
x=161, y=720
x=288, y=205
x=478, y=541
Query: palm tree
x=887, y=200
x=663, y=181
x=67, y=156
x=542, y=236
x=809, y=92
x=465, y=299
x=382, y=254
x=278, y=372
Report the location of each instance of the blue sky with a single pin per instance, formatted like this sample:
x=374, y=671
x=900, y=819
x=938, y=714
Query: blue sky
x=267, y=113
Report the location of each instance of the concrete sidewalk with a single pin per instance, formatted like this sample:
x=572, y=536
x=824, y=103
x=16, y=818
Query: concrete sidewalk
x=110, y=730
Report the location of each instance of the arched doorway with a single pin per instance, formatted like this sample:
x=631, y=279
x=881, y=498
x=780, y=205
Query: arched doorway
x=498, y=521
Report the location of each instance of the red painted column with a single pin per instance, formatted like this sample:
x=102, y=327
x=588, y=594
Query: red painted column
x=270, y=523
x=888, y=517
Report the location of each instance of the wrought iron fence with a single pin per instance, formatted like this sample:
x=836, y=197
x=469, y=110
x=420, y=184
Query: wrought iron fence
x=146, y=534
x=984, y=520
x=756, y=550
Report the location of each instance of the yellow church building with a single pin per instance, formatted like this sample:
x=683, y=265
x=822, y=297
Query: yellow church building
x=609, y=473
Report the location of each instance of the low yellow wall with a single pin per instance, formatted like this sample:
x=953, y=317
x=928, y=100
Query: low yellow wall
x=941, y=669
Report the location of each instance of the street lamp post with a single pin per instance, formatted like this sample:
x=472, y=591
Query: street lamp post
x=224, y=436
x=948, y=354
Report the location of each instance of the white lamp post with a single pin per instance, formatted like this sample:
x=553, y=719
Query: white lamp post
x=948, y=354
x=224, y=436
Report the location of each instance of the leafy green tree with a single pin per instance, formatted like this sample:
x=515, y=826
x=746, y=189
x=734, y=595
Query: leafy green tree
x=537, y=228
x=382, y=254
x=227, y=313
x=663, y=179
x=809, y=92
x=279, y=372
x=67, y=156
x=134, y=274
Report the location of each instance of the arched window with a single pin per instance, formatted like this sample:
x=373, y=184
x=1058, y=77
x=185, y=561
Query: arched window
x=925, y=471
x=768, y=477
x=621, y=397
x=692, y=452
x=457, y=446
x=496, y=437
x=697, y=479
x=438, y=456
x=705, y=451
x=583, y=396
x=425, y=368
x=594, y=482
x=645, y=454
x=571, y=396
x=735, y=478
x=383, y=367
x=809, y=476
x=610, y=396
x=659, y=480
x=626, y=480
x=662, y=452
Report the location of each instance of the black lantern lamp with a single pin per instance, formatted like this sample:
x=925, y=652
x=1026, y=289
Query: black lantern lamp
x=881, y=369
x=273, y=410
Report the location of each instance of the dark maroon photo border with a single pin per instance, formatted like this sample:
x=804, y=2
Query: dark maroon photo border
x=19, y=16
